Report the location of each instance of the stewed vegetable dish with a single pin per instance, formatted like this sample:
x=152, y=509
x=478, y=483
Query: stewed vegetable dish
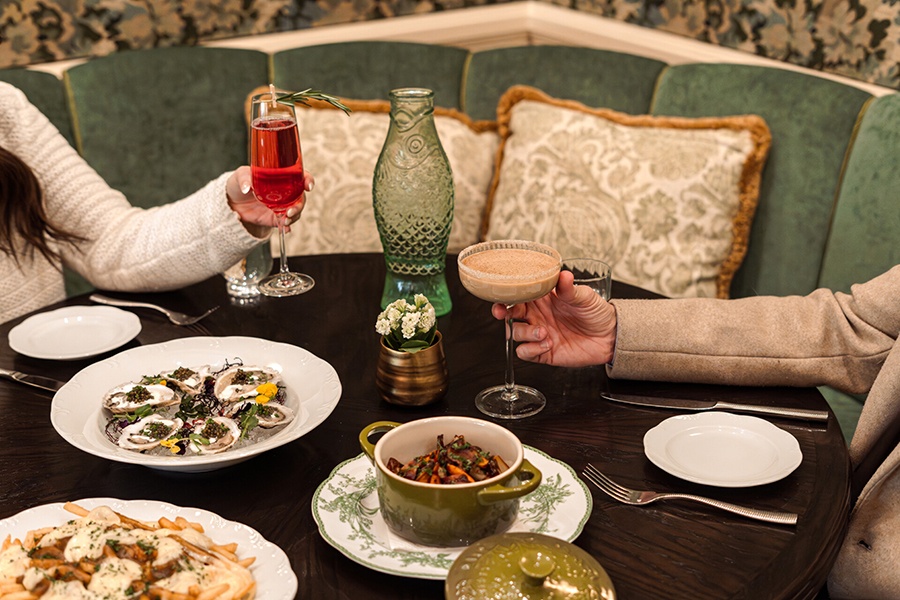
x=456, y=462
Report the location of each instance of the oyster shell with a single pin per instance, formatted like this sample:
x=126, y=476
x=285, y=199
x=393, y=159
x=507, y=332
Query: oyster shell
x=269, y=415
x=147, y=433
x=189, y=379
x=129, y=397
x=240, y=383
x=218, y=441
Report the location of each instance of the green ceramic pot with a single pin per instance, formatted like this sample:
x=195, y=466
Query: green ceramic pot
x=447, y=515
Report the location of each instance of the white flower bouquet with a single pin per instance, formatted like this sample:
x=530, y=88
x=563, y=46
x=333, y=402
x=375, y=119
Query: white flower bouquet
x=408, y=327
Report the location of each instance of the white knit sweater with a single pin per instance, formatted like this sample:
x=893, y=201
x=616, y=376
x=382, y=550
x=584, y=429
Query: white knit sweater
x=128, y=248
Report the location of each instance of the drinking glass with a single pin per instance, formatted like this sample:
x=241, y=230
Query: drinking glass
x=591, y=272
x=242, y=278
x=509, y=272
x=276, y=167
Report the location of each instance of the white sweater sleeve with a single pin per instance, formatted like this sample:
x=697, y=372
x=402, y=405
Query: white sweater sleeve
x=127, y=248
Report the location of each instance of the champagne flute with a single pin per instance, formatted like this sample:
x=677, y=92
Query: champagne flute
x=276, y=167
x=509, y=272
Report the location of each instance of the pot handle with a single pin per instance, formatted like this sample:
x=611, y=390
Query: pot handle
x=376, y=427
x=499, y=492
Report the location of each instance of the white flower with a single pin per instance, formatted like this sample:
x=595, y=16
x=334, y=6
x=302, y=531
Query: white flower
x=407, y=326
x=410, y=324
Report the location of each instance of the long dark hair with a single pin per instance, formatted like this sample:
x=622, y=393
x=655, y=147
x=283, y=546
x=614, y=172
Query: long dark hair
x=23, y=215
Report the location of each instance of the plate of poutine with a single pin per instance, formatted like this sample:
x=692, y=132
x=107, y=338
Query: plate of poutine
x=193, y=552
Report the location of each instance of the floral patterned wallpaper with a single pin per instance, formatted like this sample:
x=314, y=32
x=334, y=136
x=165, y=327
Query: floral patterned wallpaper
x=855, y=38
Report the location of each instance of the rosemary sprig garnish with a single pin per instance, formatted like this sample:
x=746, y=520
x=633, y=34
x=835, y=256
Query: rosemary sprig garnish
x=309, y=93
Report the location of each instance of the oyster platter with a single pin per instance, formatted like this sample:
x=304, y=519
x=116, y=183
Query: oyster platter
x=201, y=410
x=195, y=404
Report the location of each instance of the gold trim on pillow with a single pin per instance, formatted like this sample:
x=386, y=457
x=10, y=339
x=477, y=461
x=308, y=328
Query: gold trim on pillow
x=750, y=177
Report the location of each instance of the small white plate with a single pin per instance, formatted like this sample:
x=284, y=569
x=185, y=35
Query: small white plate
x=346, y=508
x=275, y=580
x=313, y=390
x=74, y=332
x=723, y=449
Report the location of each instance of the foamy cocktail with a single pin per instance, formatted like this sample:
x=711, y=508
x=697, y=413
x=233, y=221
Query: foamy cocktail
x=509, y=272
x=509, y=275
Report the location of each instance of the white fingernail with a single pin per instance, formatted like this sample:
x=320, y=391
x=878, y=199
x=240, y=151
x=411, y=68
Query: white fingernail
x=245, y=188
x=311, y=185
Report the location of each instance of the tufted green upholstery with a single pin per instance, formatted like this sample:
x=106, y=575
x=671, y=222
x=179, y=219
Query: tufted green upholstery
x=865, y=232
x=594, y=77
x=370, y=70
x=812, y=121
x=44, y=91
x=158, y=124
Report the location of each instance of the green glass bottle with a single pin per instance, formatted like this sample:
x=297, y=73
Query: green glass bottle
x=412, y=194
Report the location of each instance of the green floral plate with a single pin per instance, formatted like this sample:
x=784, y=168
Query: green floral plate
x=346, y=508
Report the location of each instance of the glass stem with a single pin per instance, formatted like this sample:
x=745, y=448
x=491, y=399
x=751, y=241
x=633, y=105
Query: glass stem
x=282, y=218
x=509, y=393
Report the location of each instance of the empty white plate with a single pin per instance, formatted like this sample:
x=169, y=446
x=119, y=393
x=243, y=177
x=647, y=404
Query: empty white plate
x=722, y=449
x=74, y=332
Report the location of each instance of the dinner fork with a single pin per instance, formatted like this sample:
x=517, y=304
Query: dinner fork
x=640, y=497
x=176, y=317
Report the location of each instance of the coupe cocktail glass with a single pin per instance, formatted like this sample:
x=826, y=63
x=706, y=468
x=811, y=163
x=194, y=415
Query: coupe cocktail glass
x=509, y=272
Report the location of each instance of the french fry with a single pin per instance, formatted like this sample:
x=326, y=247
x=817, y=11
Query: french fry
x=23, y=595
x=167, y=524
x=76, y=509
x=10, y=587
x=185, y=524
x=225, y=552
x=213, y=592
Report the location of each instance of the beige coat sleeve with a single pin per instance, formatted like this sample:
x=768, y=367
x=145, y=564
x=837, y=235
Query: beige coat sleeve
x=835, y=339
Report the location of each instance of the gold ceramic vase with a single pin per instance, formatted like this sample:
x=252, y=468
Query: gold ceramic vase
x=412, y=379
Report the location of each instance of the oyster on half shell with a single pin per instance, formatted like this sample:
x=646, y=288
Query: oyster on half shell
x=271, y=414
x=129, y=397
x=221, y=432
x=189, y=379
x=147, y=433
x=240, y=383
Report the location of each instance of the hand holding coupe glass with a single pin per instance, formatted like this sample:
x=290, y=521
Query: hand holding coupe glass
x=573, y=326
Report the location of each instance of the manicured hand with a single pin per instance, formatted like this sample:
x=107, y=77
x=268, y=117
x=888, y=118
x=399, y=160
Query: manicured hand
x=572, y=326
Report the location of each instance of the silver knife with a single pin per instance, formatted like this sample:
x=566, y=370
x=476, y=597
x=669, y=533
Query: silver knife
x=45, y=383
x=684, y=404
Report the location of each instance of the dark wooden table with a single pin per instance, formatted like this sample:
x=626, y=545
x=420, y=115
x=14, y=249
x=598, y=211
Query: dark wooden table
x=667, y=550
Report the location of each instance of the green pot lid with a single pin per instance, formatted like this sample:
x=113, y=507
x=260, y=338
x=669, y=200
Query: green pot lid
x=526, y=566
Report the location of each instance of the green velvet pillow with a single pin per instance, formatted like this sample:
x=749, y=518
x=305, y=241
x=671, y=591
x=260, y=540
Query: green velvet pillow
x=667, y=202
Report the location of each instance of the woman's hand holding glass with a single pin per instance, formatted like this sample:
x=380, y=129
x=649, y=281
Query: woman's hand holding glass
x=256, y=216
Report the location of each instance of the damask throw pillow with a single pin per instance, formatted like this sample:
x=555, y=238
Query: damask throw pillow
x=667, y=201
x=341, y=150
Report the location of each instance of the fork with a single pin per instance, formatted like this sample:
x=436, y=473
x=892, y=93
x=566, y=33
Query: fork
x=176, y=317
x=641, y=497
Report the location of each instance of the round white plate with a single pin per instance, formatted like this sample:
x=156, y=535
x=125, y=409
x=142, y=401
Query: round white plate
x=346, y=508
x=722, y=449
x=313, y=390
x=272, y=570
x=74, y=332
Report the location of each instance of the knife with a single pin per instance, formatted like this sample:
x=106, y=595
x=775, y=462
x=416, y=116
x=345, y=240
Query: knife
x=45, y=383
x=684, y=404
